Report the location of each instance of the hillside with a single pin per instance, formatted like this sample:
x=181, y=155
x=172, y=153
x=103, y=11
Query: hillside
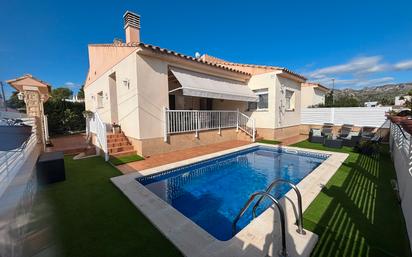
x=385, y=93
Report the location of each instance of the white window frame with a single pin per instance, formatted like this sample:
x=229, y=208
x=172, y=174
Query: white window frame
x=259, y=92
x=99, y=100
x=291, y=107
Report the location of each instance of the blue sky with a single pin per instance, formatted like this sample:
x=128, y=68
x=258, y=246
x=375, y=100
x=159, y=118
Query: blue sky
x=359, y=43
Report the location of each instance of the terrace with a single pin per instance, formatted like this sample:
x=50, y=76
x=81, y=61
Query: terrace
x=86, y=215
x=353, y=215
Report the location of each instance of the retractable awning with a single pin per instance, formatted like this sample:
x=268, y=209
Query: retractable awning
x=203, y=85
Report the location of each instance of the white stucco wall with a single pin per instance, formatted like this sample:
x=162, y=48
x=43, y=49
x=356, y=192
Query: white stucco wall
x=287, y=118
x=311, y=96
x=307, y=96
x=127, y=100
x=265, y=118
x=318, y=97
x=152, y=94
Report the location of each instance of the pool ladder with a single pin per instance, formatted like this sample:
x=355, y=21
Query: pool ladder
x=267, y=194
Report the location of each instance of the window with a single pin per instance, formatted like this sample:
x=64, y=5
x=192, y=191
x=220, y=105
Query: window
x=263, y=101
x=290, y=100
x=100, y=99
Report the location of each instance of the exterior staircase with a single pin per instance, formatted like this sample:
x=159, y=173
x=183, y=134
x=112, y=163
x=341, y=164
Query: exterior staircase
x=119, y=145
x=243, y=136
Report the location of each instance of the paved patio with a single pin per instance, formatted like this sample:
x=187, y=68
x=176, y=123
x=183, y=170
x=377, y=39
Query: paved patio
x=69, y=144
x=162, y=159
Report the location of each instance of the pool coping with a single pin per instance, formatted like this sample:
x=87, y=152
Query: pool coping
x=261, y=237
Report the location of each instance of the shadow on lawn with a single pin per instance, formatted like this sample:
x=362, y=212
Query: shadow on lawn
x=362, y=216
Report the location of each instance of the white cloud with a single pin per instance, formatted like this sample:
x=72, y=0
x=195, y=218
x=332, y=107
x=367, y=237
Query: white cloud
x=72, y=85
x=354, y=83
x=358, y=66
x=358, y=72
x=405, y=65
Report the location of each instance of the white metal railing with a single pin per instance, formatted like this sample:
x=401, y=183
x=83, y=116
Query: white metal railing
x=247, y=124
x=183, y=121
x=96, y=125
x=11, y=161
x=400, y=143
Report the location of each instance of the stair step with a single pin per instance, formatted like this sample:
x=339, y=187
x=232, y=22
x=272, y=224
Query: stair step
x=120, y=149
x=117, y=140
x=124, y=153
x=117, y=135
x=117, y=144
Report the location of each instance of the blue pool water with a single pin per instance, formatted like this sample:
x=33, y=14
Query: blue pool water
x=211, y=193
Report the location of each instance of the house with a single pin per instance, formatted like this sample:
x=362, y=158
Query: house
x=166, y=101
x=313, y=94
x=372, y=104
x=401, y=100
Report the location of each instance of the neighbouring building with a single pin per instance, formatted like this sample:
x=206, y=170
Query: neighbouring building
x=313, y=94
x=166, y=101
x=372, y=104
x=400, y=100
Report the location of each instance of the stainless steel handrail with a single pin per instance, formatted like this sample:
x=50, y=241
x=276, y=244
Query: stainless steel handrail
x=283, y=252
x=295, y=188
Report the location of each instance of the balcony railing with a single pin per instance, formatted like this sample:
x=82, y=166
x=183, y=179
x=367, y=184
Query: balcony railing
x=11, y=161
x=184, y=121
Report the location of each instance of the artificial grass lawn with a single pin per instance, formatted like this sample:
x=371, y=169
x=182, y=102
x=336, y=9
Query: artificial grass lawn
x=125, y=159
x=95, y=219
x=357, y=213
x=271, y=142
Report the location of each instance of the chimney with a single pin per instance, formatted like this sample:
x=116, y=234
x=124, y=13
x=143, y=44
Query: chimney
x=132, y=27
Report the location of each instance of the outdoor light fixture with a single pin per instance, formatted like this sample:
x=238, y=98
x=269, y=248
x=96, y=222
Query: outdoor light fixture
x=126, y=82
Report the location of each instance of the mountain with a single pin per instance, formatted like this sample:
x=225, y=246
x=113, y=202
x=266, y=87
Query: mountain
x=383, y=94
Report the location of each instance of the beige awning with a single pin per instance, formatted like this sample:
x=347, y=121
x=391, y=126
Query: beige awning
x=203, y=85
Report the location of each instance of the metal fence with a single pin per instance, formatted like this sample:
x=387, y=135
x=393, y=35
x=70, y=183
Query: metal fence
x=183, y=121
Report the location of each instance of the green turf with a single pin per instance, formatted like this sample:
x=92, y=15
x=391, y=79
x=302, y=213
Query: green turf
x=125, y=159
x=357, y=213
x=95, y=219
x=271, y=142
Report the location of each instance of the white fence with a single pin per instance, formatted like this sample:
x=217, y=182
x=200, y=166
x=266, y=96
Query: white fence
x=400, y=144
x=358, y=116
x=183, y=121
x=12, y=161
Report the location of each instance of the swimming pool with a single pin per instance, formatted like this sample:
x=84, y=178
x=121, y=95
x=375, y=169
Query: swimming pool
x=212, y=192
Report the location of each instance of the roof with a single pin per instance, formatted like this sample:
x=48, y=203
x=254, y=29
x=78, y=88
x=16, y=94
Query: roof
x=29, y=80
x=314, y=84
x=10, y=81
x=224, y=62
x=172, y=53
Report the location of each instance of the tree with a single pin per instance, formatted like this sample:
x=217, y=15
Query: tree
x=80, y=94
x=14, y=101
x=60, y=93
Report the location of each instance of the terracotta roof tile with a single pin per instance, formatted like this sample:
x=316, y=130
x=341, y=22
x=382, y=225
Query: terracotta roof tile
x=171, y=52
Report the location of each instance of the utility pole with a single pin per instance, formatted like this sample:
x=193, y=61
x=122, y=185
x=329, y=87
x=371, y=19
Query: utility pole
x=333, y=91
x=3, y=96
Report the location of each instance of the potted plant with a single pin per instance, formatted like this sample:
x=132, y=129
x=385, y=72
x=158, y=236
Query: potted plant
x=116, y=128
x=407, y=125
x=88, y=114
